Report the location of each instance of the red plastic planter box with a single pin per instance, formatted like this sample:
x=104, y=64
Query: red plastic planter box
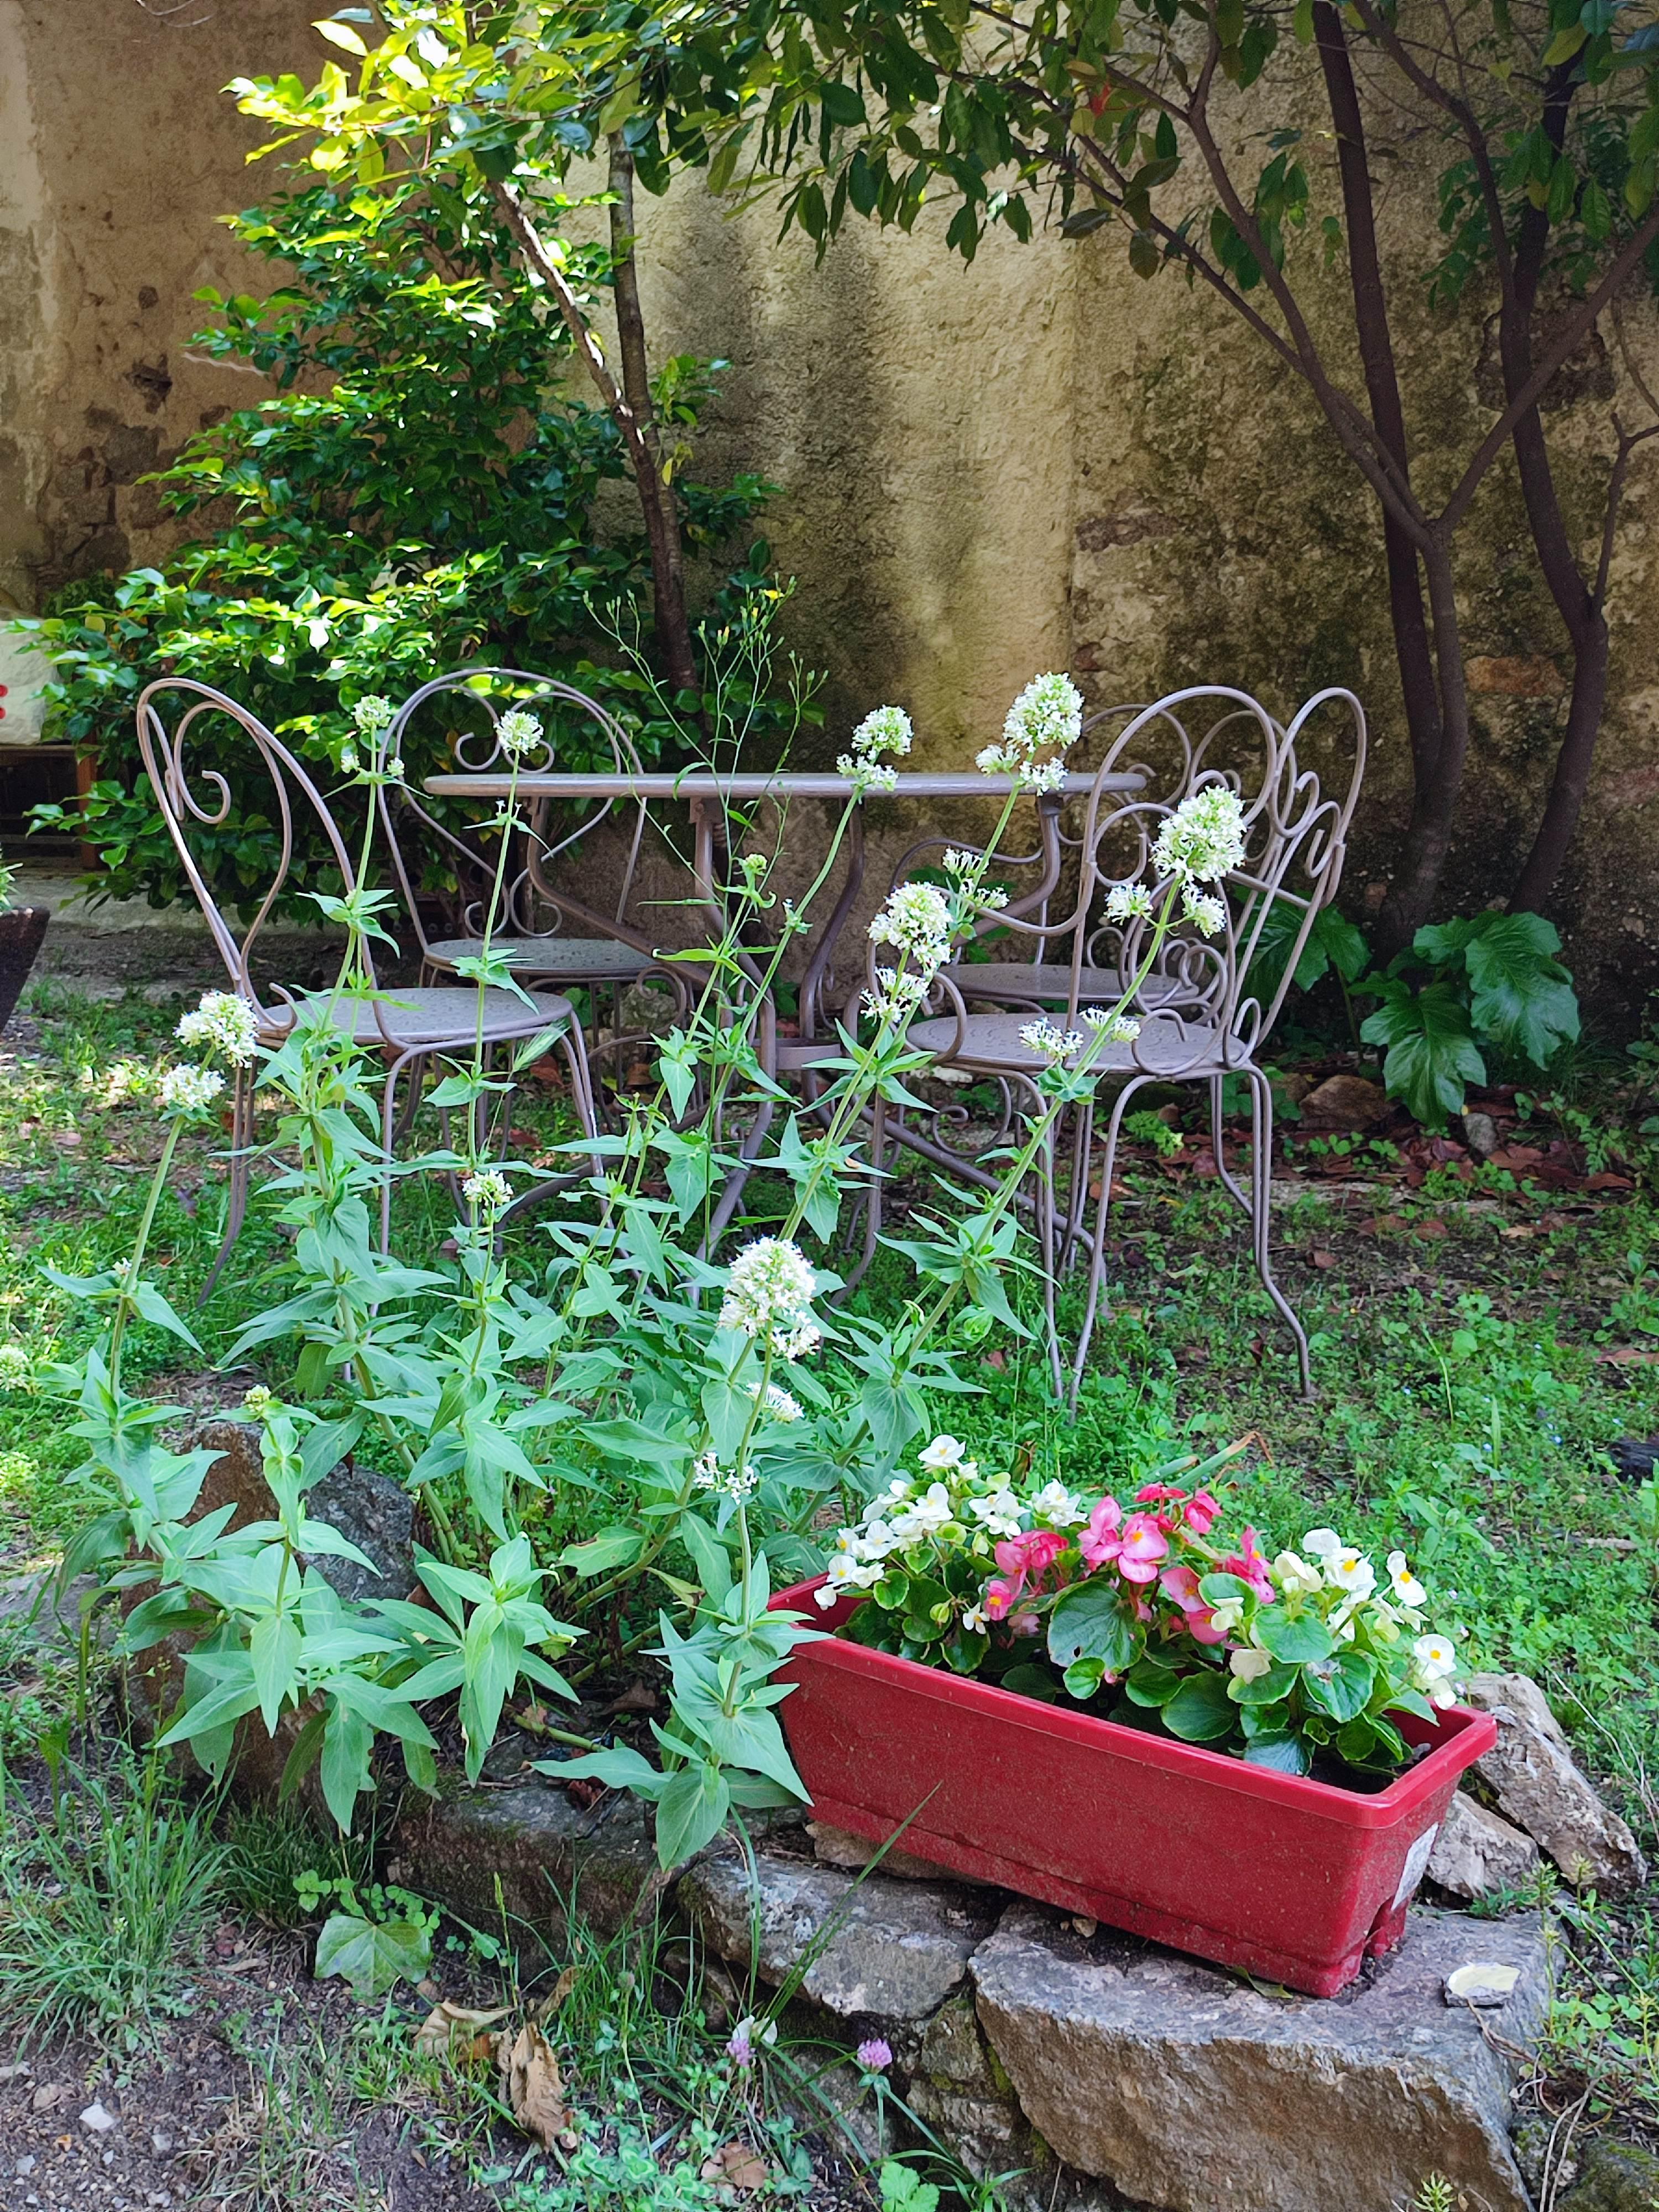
x=1290, y=1878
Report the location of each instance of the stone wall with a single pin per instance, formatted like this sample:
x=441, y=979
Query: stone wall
x=1033, y=461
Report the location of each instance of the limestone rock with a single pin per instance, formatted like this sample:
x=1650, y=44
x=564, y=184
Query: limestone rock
x=1531, y=1771
x=544, y=1848
x=371, y=1511
x=1615, y=2178
x=1476, y=1854
x=956, y=2088
x=1480, y=1134
x=1193, y=2092
x=897, y=1951
x=1344, y=1102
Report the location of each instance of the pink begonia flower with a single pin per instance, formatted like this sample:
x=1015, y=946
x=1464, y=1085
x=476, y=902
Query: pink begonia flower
x=1000, y=1596
x=1099, y=1539
x=1201, y=1511
x=1144, y=1545
x=1249, y=1564
x=1025, y=1623
x=1181, y=1583
x=1031, y=1554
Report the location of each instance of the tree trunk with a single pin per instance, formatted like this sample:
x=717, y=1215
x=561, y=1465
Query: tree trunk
x=1573, y=761
x=662, y=521
x=1434, y=800
x=1427, y=837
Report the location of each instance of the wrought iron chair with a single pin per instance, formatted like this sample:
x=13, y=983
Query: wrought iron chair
x=1202, y=1010
x=406, y=1024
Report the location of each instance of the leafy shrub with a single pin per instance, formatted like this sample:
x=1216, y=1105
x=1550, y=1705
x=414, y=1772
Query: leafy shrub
x=433, y=507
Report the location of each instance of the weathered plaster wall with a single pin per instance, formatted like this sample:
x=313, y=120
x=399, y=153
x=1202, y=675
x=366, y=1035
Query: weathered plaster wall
x=1034, y=462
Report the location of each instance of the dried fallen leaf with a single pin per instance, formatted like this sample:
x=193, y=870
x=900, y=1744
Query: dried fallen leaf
x=1627, y=1355
x=534, y=2086
x=1324, y=1259
x=734, y=2162
x=455, y=2031
x=561, y=1989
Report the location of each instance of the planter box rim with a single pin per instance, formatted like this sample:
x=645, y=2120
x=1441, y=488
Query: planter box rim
x=1350, y=1808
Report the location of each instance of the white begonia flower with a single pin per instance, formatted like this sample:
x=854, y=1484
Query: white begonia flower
x=845, y=1573
x=1044, y=1039
x=1056, y=1505
x=974, y=1621
x=942, y=1454
x=190, y=1090
x=999, y=1514
x=1128, y=902
x=1204, y=839
x=895, y=1494
x=1121, y=1028
x=917, y=922
x=1295, y=1576
x=488, y=1190
x=1226, y=1616
x=1249, y=1665
x=371, y=714
x=518, y=732
x=883, y=730
x=877, y=1540
x=924, y=1516
x=1351, y=1572
x=1207, y=915
x=1435, y=1655
x=1406, y=1587
x=1322, y=1542
x=769, y=1287
x=221, y=1022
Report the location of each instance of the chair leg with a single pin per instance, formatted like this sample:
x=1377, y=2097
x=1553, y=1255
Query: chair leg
x=1083, y=1137
x=388, y=1138
x=1261, y=1148
x=1045, y=1206
x=1218, y=1144
x=1098, y=1257
x=573, y=1046
x=241, y=1166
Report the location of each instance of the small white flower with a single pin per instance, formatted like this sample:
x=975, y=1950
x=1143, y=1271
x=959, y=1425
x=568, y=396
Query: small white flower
x=883, y=730
x=1055, y=1505
x=796, y=1343
x=917, y=922
x=1351, y=1572
x=1435, y=1655
x=394, y=766
x=706, y=1473
x=1226, y=1616
x=348, y=760
x=781, y=1407
x=974, y=1621
x=999, y=1514
x=895, y=1494
x=1249, y=1665
x=258, y=1402
x=769, y=1285
x=1406, y=1587
x=897, y=995
x=190, y=1090
x=924, y=1516
x=1128, y=902
x=1121, y=1028
x=1322, y=1542
x=942, y=1454
x=1049, y=776
x=16, y=1366
x=488, y=1190
x=221, y=1022
x=1295, y=1576
x=371, y=714
x=1047, y=716
x=519, y=731
x=1206, y=914
x=866, y=775
x=1204, y=838
x=957, y=863
x=1047, y=1042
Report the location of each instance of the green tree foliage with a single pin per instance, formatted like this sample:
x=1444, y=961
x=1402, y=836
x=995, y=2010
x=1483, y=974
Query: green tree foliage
x=418, y=495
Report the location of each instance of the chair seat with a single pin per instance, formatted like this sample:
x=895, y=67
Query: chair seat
x=992, y=1045
x=445, y=1015
x=1048, y=985
x=571, y=959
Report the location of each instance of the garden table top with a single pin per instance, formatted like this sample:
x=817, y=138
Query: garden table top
x=777, y=783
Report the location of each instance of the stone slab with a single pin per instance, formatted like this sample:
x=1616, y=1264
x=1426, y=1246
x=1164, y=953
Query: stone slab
x=891, y=1951
x=542, y=1847
x=1192, y=2091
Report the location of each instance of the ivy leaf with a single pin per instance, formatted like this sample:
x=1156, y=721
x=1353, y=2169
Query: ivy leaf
x=371, y=1956
x=1431, y=1052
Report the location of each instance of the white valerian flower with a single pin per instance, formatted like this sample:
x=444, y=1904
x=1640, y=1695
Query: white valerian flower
x=866, y=775
x=799, y=1342
x=394, y=767
x=1322, y=1542
x=770, y=1286
x=371, y=713
x=1128, y=902
x=190, y=1090
x=1206, y=913
x=1406, y=1587
x=258, y=1403
x=896, y=996
x=348, y=760
x=1046, y=717
x=1295, y=1576
x=488, y=1190
x=16, y=1366
x=957, y=863
x=883, y=730
x=1121, y=1028
x=1055, y=1505
x=1249, y=1665
x=999, y=1514
x=1043, y=1038
x=781, y=1407
x=1204, y=839
x=706, y=1471
x=518, y=732
x=974, y=1621
x=709, y=1474
x=221, y=1022
x=944, y=1454
x=917, y=921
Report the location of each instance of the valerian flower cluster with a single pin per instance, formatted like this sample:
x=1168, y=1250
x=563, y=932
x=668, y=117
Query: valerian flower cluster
x=1143, y=1610
x=884, y=731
